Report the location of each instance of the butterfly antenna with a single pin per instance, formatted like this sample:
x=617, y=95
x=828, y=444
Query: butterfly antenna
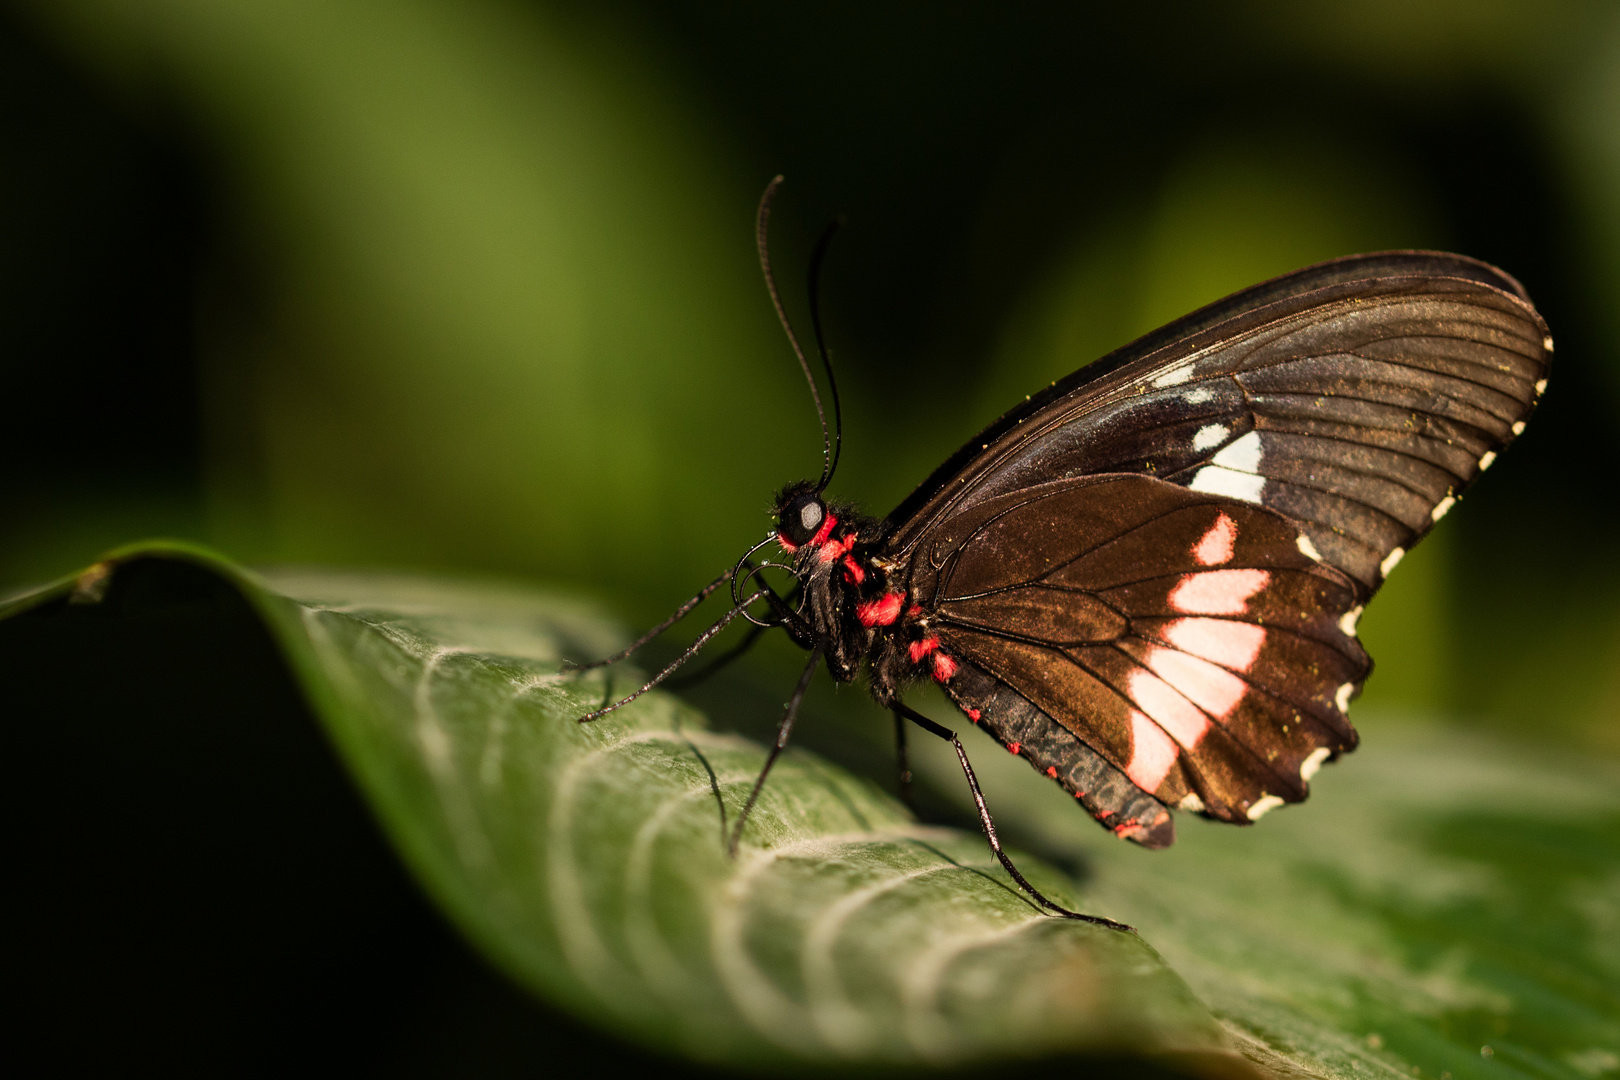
x=821, y=346
x=761, y=229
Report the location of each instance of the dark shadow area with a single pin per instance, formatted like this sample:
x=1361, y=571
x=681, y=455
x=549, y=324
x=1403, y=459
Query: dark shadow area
x=198, y=883
x=104, y=222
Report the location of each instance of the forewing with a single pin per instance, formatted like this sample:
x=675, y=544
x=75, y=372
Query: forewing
x=1358, y=398
x=1183, y=638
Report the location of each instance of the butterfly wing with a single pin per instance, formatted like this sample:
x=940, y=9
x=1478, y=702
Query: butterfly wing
x=1184, y=638
x=1358, y=398
x=1328, y=418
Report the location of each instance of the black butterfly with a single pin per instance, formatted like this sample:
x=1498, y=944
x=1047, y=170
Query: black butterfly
x=1145, y=579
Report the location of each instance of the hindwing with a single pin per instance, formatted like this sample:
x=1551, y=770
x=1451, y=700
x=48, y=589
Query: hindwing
x=1184, y=639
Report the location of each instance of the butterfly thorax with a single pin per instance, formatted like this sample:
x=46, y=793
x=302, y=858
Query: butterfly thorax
x=854, y=601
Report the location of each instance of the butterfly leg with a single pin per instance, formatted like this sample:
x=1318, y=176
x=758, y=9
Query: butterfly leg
x=901, y=761
x=783, y=730
x=680, y=613
x=719, y=663
x=901, y=709
x=691, y=651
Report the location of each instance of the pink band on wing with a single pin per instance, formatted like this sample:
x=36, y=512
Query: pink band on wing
x=1153, y=754
x=1215, y=547
x=1210, y=687
x=1169, y=709
x=1217, y=592
x=1235, y=645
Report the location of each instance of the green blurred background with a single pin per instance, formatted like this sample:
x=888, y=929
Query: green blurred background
x=470, y=286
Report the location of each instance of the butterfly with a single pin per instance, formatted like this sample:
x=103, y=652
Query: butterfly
x=1145, y=579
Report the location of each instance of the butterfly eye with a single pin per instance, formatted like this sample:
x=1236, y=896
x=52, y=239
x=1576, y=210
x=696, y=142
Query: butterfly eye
x=801, y=518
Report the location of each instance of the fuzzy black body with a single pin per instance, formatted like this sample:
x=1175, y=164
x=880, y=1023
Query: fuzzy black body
x=836, y=575
x=1145, y=579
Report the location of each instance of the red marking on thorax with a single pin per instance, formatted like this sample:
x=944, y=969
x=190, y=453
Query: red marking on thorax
x=944, y=667
x=825, y=531
x=880, y=612
x=914, y=611
x=787, y=545
x=833, y=550
x=852, y=571
x=920, y=649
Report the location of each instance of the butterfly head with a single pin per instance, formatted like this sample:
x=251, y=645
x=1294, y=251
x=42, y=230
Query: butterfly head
x=801, y=516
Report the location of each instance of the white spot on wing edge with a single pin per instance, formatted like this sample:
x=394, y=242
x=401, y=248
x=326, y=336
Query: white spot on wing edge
x=1308, y=549
x=1263, y=806
x=1518, y=427
x=1442, y=507
x=1210, y=435
x=1308, y=767
x=1200, y=395
x=1175, y=376
x=1485, y=462
x=1347, y=621
x=1546, y=342
x=1214, y=480
x=1242, y=456
x=1391, y=561
x=1191, y=803
x=1541, y=387
x=1342, y=697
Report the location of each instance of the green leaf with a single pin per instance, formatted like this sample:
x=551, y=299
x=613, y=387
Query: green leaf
x=1444, y=907
x=587, y=860
x=1441, y=893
